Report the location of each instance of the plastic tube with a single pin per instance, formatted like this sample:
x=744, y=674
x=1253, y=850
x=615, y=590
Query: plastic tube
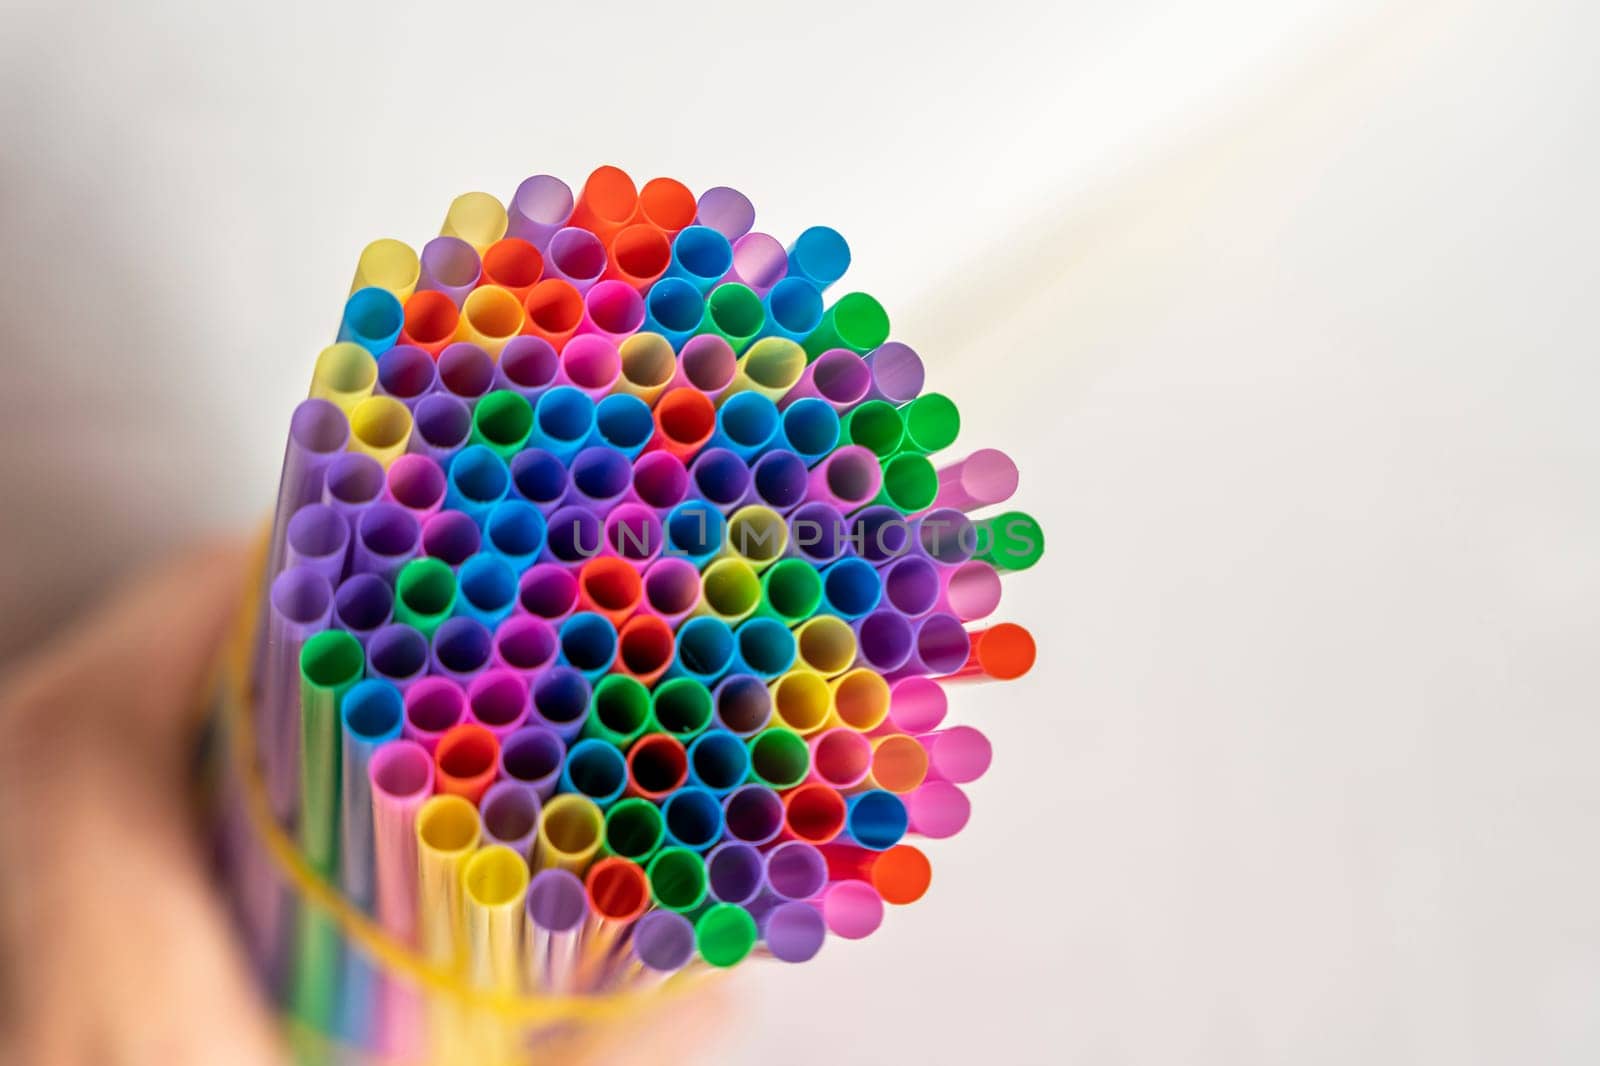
x=811, y=429
x=443, y=424
x=372, y=319
x=860, y=700
x=387, y=264
x=944, y=535
x=541, y=205
x=513, y=264
x=553, y=311
x=638, y=256
x=1002, y=652
x=677, y=879
x=796, y=870
x=451, y=537
x=431, y=321
x=791, y=591
x=671, y=589
x=819, y=255
x=619, y=712
x=416, y=483
x=728, y=211
x=884, y=640
x=562, y=421
x=743, y=704
x=674, y=308
x=590, y=364
x=595, y=769
x=318, y=539
x=619, y=892
x=633, y=532
x=827, y=645
x=527, y=366
x=667, y=204
x=1009, y=541
x=719, y=762
x=407, y=373
x=548, y=591
x=352, y=483
x=801, y=701
x=460, y=648
x=487, y=589
x=937, y=810
x=758, y=535
x=576, y=257
x=851, y=588
x=299, y=605
x=705, y=650
x=814, y=813
x=588, y=644
x=399, y=654
x=911, y=585
x=644, y=648
x=701, y=256
x=941, y=646
x=561, y=700
x=876, y=820
x=730, y=590
x=694, y=529
x=433, y=707
x=706, y=363
x=525, y=644
x=612, y=309
x=778, y=757
x=510, y=815
x=400, y=777
x=681, y=706
x=662, y=944
x=624, y=424
x=657, y=766
x=724, y=934
x=515, y=531
x=876, y=426
x=607, y=201
x=900, y=874
x=837, y=376
x=380, y=426
x=959, y=754
x=692, y=817
x=490, y=317
x=720, y=478
x=449, y=265
x=475, y=217
x=986, y=477
x=794, y=310
x=857, y=322
x=502, y=422
x=909, y=483
x=852, y=909
x=532, y=757
x=648, y=366
x=344, y=375
x=897, y=372
x=540, y=478
x=447, y=834
x=556, y=909
x=361, y=604
x=569, y=833
x=817, y=533
x=387, y=536
x=847, y=479
x=917, y=704
x=880, y=534
x=970, y=591
x=932, y=423
x=497, y=699
x=765, y=648
x=330, y=665
x=424, y=594
x=371, y=714
x=840, y=758
x=753, y=814
x=780, y=480
x=899, y=763
x=610, y=587
x=747, y=425
x=466, y=761
x=735, y=872
x=760, y=262
x=770, y=368
x=634, y=829
x=685, y=421
x=793, y=931
x=735, y=313
x=660, y=480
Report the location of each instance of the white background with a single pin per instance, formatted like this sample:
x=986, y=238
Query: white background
x=1286, y=310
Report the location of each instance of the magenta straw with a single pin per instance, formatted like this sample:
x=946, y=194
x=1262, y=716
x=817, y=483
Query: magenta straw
x=401, y=778
x=540, y=478
x=982, y=479
x=613, y=309
x=362, y=604
x=793, y=931
x=937, y=809
x=449, y=265
x=461, y=647
x=466, y=371
x=443, y=427
x=548, y=591
x=945, y=535
x=743, y=704
x=575, y=256
x=660, y=480
x=510, y=811
x=852, y=909
x=752, y=814
x=728, y=211
x=837, y=376
x=759, y=262
x=300, y=603
x=416, y=483
x=397, y=654
x=897, y=373
x=387, y=537
x=818, y=532
x=884, y=640
x=735, y=872
x=706, y=363
x=498, y=700
x=911, y=585
x=318, y=539
x=796, y=870
x=527, y=366
x=352, y=483
x=671, y=589
x=538, y=210
x=663, y=941
x=847, y=479
x=970, y=591
x=451, y=537
x=532, y=757
x=959, y=754
x=525, y=644
x=916, y=705
x=633, y=532
x=407, y=373
x=434, y=706
x=940, y=646
x=590, y=363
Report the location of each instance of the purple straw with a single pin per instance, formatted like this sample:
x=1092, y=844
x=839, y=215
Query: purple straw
x=884, y=640
x=945, y=535
x=398, y=654
x=941, y=646
x=880, y=534
x=300, y=603
x=759, y=262
x=794, y=931
x=818, y=532
x=728, y=211
x=525, y=644
x=838, y=376
x=538, y=209
x=847, y=479
x=497, y=699
x=319, y=539
x=527, y=366
x=361, y=604
x=443, y=426
x=780, y=479
x=575, y=256
x=753, y=814
x=548, y=591
x=796, y=870
x=735, y=871
x=720, y=478
x=575, y=535
x=352, y=483
x=434, y=706
x=672, y=588
x=532, y=756
x=660, y=480
x=460, y=649
x=663, y=941
x=451, y=537
x=897, y=373
x=466, y=371
x=387, y=537
x=449, y=265
x=407, y=373
x=510, y=811
x=911, y=585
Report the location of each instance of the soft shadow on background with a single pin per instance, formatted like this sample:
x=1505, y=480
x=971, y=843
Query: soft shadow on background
x=1287, y=311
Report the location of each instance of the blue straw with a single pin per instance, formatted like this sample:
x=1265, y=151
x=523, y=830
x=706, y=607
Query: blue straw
x=515, y=531
x=765, y=648
x=875, y=819
x=701, y=256
x=747, y=425
x=562, y=421
x=597, y=769
x=820, y=255
x=811, y=428
x=719, y=762
x=851, y=588
x=486, y=589
x=588, y=644
x=372, y=319
x=694, y=531
x=477, y=481
x=623, y=422
x=693, y=818
x=794, y=309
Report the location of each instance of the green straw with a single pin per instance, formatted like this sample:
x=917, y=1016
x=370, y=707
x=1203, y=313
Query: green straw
x=424, y=594
x=909, y=483
x=634, y=829
x=857, y=322
x=931, y=421
x=791, y=591
x=734, y=313
x=330, y=663
x=876, y=426
x=619, y=712
x=724, y=934
x=317, y=974
x=779, y=758
x=503, y=421
x=682, y=707
x=1009, y=541
x=677, y=879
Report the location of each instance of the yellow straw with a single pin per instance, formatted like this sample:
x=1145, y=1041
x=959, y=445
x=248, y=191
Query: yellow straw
x=648, y=366
x=475, y=217
x=447, y=834
x=494, y=885
x=801, y=700
x=772, y=366
x=381, y=427
x=826, y=644
x=344, y=374
x=387, y=264
x=570, y=832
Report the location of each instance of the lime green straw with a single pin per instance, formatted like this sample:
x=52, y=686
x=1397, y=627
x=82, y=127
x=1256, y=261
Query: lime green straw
x=857, y=322
x=1010, y=541
x=634, y=829
x=677, y=879
x=330, y=663
x=424, y=594
x=932, y=422
x=876, y=426
x=619, y=711
x=682, y=707
x=724, y=934
x=909, y=483
x=779, y=758
x=791, y=591
x=734, y=313
x=503, y=421
x=317, y=974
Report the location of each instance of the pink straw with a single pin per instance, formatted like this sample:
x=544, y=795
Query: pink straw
x=982, y=479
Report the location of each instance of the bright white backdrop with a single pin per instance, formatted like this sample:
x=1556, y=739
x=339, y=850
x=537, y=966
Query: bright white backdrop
x=1287, y=311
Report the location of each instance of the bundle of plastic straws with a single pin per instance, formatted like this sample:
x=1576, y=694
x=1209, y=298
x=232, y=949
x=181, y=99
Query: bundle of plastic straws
x=613, y=599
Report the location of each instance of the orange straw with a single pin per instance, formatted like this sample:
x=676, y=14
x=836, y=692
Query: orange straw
x=514, y=265
x=638, y=255
x=1002, y=652
x=607, y=203
x=554, y=310
x=666, y=204
x=431, y=319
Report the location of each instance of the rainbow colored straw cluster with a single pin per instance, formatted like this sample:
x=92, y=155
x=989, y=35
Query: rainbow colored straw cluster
x=614, y=596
